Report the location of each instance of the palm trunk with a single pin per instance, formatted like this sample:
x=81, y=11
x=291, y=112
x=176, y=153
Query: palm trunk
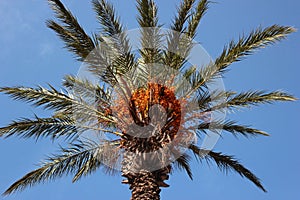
x=144, y=184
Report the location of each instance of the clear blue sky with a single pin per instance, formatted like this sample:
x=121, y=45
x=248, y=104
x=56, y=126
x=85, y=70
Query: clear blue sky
x=31, y=54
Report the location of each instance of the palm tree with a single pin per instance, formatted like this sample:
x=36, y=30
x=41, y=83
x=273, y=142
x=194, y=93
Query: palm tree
x=109, y=57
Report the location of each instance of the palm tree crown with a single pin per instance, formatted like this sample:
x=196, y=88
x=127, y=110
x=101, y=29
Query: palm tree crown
x=129, y=86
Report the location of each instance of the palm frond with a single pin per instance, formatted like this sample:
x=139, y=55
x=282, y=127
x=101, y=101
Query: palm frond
x=59, y=125
x=226, y=163
x=53, y=99
x=183, y=15
x=235, y=51
x=177, y=42
x=111, y=25
x=182, y=163
x=150, y=31
x=86, y=89
x=196, y=17
x=106, y=154
x=230, y=126
x=53, y=127
x=147, y=13
x=207, y=99
x=187, y=73
x=177, y=51
x=246, y=45
x=180, y=45
x=49, y=98
x=80, y=159
x=199, y=79
x=246, y=99
x=107, y=18
x=115, y=43
x=75, y=38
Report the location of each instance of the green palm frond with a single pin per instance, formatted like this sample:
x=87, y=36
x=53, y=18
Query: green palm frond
x=75, y=38
x=196, y=17
x=226, y=163
x=111, y=26
x=246, y=45
x=179, y=45
x=53, y=127
x=107, y=151
x=185, y=41
x=49, y=98
x=172, y=58
x=107, y=17
x=235, y=51
x=182, y=163
x=198, y=79
x=183, y=15
x=177, y=50
x=115, y=44
x=150, y=37
x=148, y=13
x=53, y=99
x=81, y=158
x=59, y=125
x=230, y=126
x=246, y=99
x=86, y=89
x=206, y=99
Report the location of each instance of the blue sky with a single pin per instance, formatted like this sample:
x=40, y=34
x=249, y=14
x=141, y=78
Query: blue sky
x=31, y=54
